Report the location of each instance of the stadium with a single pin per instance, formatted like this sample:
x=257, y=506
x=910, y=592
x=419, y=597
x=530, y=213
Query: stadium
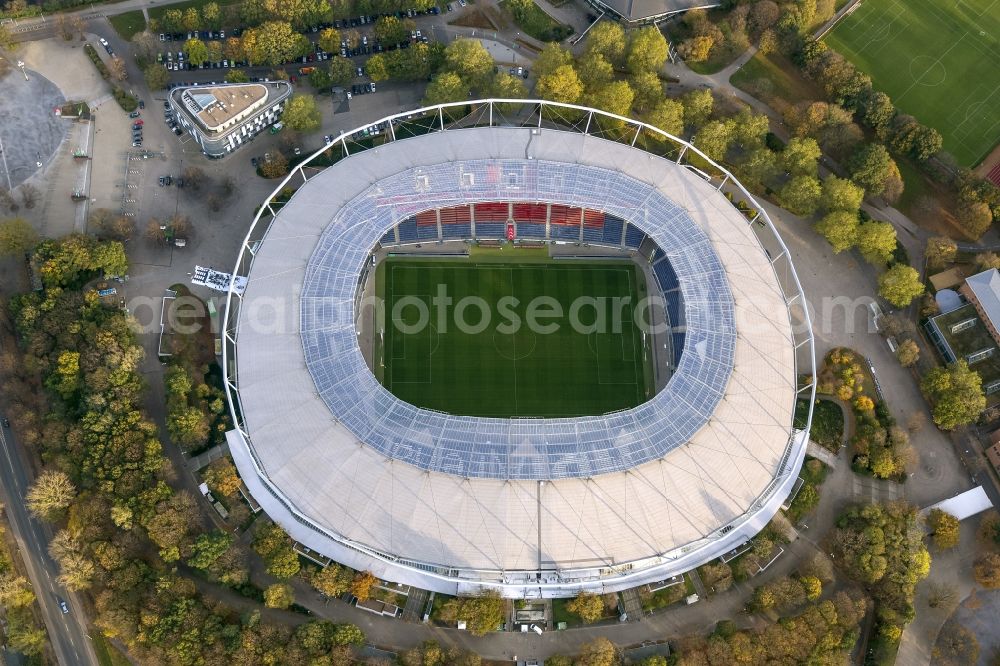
x=425, y=385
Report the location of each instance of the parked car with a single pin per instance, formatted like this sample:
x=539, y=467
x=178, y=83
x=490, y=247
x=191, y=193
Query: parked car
x=142, y=105
x=134, y=114
x=6, y=423
x=253, y=162
x=371, y=86
x=139, y=122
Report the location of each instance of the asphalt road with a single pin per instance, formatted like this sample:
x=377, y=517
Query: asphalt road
x=67, y=631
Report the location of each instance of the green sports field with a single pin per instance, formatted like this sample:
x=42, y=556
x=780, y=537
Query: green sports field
x=939, y=60
x=498, y=369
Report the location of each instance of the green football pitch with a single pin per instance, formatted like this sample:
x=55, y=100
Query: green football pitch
x=939, y=60
x=500, y=369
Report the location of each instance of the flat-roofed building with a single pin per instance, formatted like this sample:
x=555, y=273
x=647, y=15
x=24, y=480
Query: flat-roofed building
x=223, y=117
x=983, y=291
x=639, y=12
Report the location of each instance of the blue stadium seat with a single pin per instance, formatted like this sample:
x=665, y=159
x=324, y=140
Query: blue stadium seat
x=491, y=230
x=634, y=237
x=427, y=232
x=389, y=238
x=408, y=231
x=456, y=231
x=613, y=230
x=565, y=231
x=674, y=307
x=665, y=275
x=531, y=230
x=678, y=339
x=593, y=234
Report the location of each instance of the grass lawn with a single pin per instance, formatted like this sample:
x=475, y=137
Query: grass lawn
x=108, y=654
x=938, y=62
x=128, y=24
x=500, y=367
x=771, y=77
x=827, y=424
x=538, y=24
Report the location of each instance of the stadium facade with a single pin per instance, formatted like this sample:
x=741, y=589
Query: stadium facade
x=527, y=507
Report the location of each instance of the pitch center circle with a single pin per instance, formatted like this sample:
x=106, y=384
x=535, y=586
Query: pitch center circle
x=515, y=350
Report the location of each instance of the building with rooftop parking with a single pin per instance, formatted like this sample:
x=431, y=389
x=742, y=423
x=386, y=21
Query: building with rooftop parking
x=221, y=118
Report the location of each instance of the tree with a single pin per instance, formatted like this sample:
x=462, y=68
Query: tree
x=348, y=634
x=940, y=251
x=192, y=19
x=506, y=86
x=469, y=59
x=877, y=242
x=146, y=45
x=188, y=426
x=274, y=43
x=840, y=229
x=117, y=68
x=562, y=85
x=172, y=20
x=871, y=167
x=594, y=70
x=391, y=30
x=757, y=167
x=696, y=49
x=801, y=195
x=646, y=50
x=233, y=49
x=944, y=528
x=648, y=91
x=29, y=195
x=749, y=129
x=50, y=494
x=608, y=39
x=211, y=15
x=987, y=570
x=276, y=167
x=801, y=157
x=301, y=113
x=956, y=646
x=598, y=652
x=157, y=78
x=713, y=139
x=214, y=50
x=237, y=76
x=279, y=595
x=900, y=285
x=697, y=107
x=16, y=236
x=332, y=580
x=342, y=70
x=361, y=586
x=482, y=614
x=908, y=353
x=957, y=394
x=208, y=548
x=615, y=97
x=551, y=58
x=588, y=606
x=329, y=38
x=15, y=591
x=222, y=478
x=668, y=115
x=841, y=194
x=975, y=217
x=446, y=87
x=196, y=51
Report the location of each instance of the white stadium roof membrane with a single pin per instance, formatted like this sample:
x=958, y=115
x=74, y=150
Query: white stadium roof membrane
x=525, y=506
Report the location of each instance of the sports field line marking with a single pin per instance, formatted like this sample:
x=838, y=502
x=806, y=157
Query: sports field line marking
x=936, y=62
x=513, y=336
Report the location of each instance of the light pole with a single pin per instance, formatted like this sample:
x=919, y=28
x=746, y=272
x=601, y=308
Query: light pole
x=20, y=63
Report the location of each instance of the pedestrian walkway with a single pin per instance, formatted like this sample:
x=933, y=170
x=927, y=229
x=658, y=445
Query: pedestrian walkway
x=821, y=453
x=632, y=604
x=416, y=603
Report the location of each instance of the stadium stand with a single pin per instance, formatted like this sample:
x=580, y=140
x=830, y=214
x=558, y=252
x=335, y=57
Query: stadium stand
x=531, y=219
x=457, y=231
x=427, y=232
x=593, y=226
x=613, y=229
x=491, y=229
x=389, y=238
x=665, y=275
x=678, y=340
x=408, y=231
x=634, y=237
x=491, y=212
x=427, y=218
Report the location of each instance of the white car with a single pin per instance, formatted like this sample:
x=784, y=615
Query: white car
x=103, y=41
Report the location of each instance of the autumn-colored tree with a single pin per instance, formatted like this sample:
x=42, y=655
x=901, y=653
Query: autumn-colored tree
x=361, y=586
x=587, y=605
x=944, y=528
x=50, y=494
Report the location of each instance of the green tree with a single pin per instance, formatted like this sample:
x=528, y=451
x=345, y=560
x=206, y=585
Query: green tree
x=208, y=548
x=562, y=85
x=801, y=157
x=446, y=87
x=332, y=580
x=871, y=167
x=840, y=229
x=648, y=91
x=50, y=494
x=342, y=70
x=841, y=194
x=908, y=353
x=172, y=21
x=15, y=591
x=594, y=70
x=877, y=242
x=211, y=15
x=801, y=195
x=668, y=115
x=274, y=43
x=713, y=139
x=507, y=86
x=696, y=49
x=956, y=392
x=348, y=634
x=697, y=107
x=588, y=606
x=940, y=252
x=900, y=285
x=237, y=76
x=192, y=19
x=483, y=613
x=301, y=113
x=551, y=58
x=196, y=51
x=608, y=39
x=749, y=129
x=646, y=50
x=391, y=30
x=615, y=97
x=377, y=67
x=598, y=652
x=944, y=528
x=279, y=595
x=329, y=38
x=469, y=59
x=188, y=426
x=757, y=167
x=17, y=236
x=975, y=217
x=283, y=564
